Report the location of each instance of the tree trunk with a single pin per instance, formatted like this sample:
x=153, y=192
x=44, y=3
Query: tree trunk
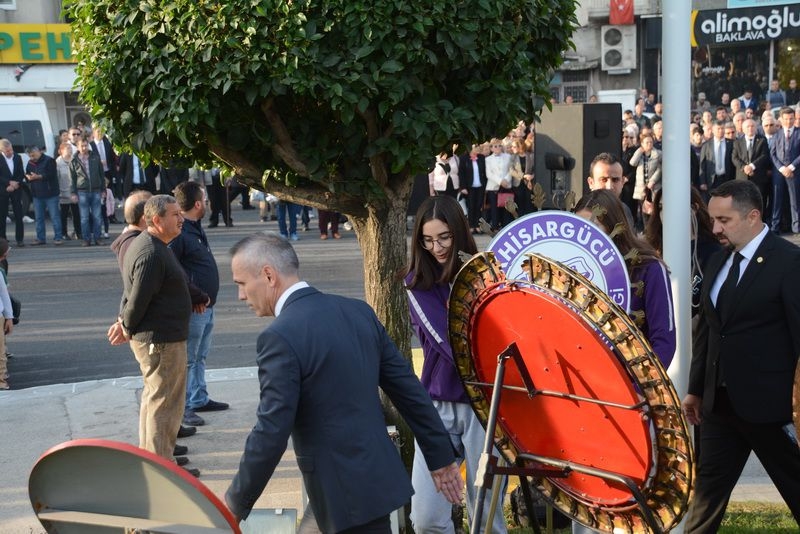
x=382, y=237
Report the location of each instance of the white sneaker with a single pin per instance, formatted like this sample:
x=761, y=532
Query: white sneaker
x=105, y=235
x=347, y=226
x=27, y=219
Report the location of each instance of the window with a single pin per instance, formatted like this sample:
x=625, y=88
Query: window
x=23, y=134
x=8, y=4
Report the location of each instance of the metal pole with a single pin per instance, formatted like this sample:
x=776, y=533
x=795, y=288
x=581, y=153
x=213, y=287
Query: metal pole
x=676, y=70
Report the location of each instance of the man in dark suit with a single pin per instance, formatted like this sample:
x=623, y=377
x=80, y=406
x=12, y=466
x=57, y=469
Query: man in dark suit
x=752, y=160
x=134, y=177
x=319, y=382
x=472, y=174
x=716, y=161
x=785, y=153
x=12, y=174
x=102, y=147
x=744, y=358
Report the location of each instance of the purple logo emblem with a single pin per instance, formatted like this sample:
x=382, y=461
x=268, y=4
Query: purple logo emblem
x=569, y=239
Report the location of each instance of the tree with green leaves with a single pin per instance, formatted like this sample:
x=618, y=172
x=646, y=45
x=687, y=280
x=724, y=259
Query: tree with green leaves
x=335, y=104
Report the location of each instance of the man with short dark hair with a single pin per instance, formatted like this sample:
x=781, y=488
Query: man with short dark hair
x=88, y=183
x=192, y=250
x=785, y=152
x=42, y=178
x=744, y=358
x=154, y=318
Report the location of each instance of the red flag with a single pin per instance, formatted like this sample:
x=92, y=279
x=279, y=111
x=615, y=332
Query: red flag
x=621, y=12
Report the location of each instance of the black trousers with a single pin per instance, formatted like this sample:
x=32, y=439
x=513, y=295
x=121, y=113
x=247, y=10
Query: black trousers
x=725, y=444
x=15, y=198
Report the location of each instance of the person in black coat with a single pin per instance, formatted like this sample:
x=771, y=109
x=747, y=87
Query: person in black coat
x=12, y=174
x=744, y=357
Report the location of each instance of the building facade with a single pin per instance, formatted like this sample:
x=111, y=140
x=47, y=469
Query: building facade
x=736, y=45
x=36, y=58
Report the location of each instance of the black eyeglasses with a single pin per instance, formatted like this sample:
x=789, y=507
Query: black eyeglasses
x=444, y=241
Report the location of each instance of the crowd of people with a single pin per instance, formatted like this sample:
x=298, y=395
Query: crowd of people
x=743, y=160
x=744, y=290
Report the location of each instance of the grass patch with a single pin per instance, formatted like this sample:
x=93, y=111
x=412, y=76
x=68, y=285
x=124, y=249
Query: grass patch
x=740, y=518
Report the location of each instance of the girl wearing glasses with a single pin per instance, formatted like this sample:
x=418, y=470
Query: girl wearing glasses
x=440, y=232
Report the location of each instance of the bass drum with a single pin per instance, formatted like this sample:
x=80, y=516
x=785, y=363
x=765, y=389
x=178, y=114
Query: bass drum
x=602, y=411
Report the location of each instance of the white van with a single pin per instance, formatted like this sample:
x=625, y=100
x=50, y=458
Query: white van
x=25, y=122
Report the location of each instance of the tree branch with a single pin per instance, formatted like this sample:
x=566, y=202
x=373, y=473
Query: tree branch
x=284, y=147
x=311, y=194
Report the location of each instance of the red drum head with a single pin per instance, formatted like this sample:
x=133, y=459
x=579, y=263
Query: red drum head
x=602, y=399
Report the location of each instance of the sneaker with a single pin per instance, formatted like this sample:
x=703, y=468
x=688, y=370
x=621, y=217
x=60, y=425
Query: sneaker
x=192, y=419
x=186, y=431
x=20, y=244
x=37, y=243
x=27, y=219
x=86, y=244
x=180, y=450
x=66, y=237
x=348, y=226
x=294, y=237
x=285, y=236
x=105, y=235
x=212, y=406
x=100, y=242
x=57, y=242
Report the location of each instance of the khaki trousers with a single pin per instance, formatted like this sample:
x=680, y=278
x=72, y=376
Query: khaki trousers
x=163, y=367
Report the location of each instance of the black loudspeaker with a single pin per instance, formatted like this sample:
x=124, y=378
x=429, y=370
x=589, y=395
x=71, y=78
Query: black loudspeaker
x=579, y=132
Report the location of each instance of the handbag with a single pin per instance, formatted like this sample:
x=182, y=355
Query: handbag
x=16, y=309
x=503, y=197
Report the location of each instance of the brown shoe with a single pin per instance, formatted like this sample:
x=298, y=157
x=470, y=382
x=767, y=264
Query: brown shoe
x=337, y=236
x=323, y=236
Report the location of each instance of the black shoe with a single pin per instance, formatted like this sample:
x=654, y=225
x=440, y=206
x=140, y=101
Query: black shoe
x=181, y=460
x=192, y=471
x=212, y=406
x=229, y=224
x=191, y=418
x=20, y=244
x=180, y=450
x=213, y=224
x=186, y=431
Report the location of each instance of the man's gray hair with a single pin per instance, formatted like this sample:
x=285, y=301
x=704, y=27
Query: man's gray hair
x=267, y=248
x=157, y=205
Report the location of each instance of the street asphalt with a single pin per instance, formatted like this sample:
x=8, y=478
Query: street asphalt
x=36, y=418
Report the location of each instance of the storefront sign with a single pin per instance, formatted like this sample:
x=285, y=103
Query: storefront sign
x=723, y=26
x=735, y=4
x=35, y=43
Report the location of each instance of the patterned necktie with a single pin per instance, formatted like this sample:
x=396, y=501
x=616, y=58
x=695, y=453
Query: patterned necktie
x=725, y=296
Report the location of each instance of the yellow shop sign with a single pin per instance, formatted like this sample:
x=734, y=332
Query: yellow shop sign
x=36, y=43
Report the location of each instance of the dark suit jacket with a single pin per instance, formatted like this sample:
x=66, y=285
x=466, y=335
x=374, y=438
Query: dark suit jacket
x=780, y=155
x=126, y=173
x=708, y=165
x=5, y=173
x=759, y=342
x=759, y=157
x=466, y=172
x=319, y=382
x=111, y=156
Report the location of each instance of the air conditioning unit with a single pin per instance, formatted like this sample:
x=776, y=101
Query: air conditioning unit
x=618, y=48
